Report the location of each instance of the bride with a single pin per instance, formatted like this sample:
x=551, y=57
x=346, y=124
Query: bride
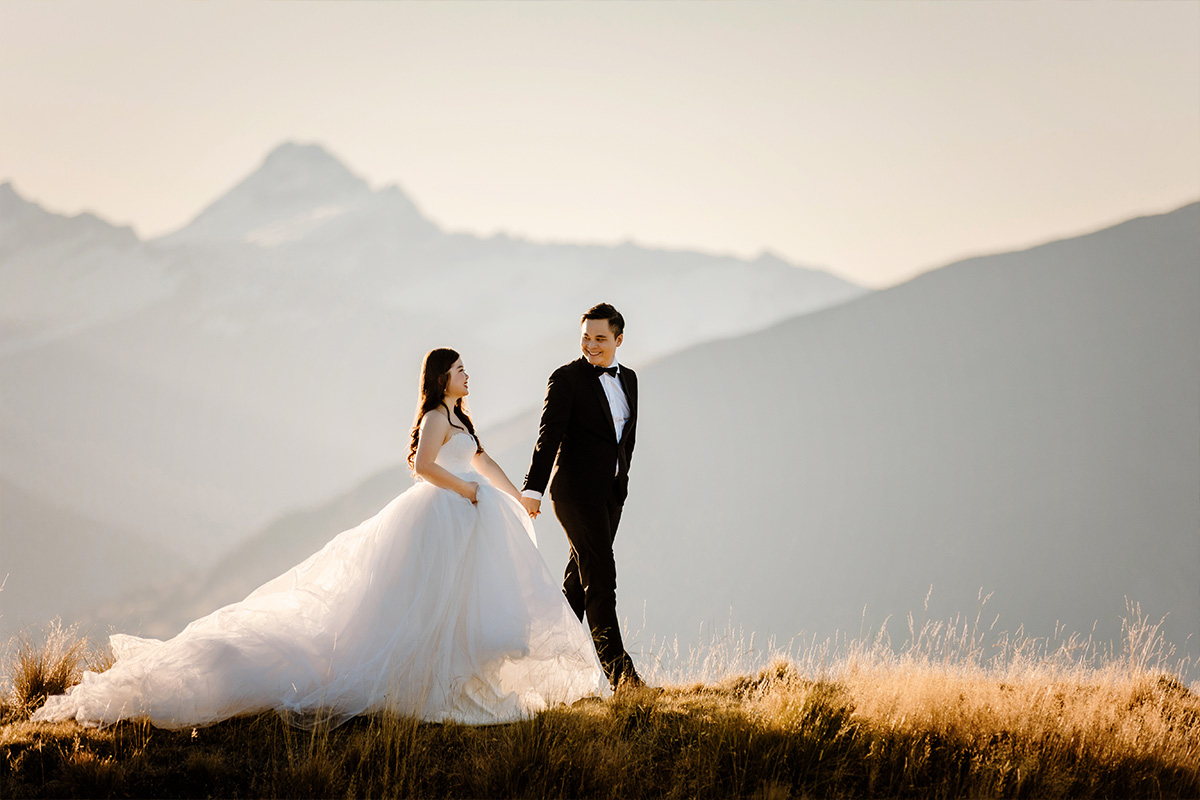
x=439, y=607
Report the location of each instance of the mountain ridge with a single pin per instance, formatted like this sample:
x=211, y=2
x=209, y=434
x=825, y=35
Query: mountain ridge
x=293, y=192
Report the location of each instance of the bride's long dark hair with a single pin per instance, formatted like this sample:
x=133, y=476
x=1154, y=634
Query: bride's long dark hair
x=435, y=374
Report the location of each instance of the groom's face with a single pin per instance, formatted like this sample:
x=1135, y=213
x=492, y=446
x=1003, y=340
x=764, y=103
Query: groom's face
x=598, y=342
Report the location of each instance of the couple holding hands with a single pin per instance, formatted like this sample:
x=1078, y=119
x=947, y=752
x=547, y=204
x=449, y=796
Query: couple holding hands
x=440, y=606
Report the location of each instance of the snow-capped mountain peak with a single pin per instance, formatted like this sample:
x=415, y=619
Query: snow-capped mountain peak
x=297, y=189
x=303, y=168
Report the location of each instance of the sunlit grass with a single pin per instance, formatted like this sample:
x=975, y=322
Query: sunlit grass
x=955, y=711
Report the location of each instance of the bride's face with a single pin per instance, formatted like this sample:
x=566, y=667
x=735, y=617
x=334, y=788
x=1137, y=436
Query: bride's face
x=456, y=383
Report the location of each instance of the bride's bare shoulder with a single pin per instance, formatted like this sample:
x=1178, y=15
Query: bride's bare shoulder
x=434, y=425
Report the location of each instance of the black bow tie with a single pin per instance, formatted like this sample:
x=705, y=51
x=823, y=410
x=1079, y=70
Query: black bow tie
x=601, y=370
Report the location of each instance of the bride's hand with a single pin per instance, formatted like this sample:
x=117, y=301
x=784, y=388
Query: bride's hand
x=531, y=506
x=472, y=492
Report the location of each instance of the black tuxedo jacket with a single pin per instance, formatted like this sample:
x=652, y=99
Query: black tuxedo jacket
x=577, y=427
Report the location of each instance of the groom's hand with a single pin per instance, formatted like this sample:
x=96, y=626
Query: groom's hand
x=533, y=507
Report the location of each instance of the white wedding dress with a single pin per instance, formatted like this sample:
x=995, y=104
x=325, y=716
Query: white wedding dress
x=434, y=608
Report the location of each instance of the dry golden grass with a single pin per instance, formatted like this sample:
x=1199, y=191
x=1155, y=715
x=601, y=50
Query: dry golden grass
x=942, y=716
x=33, y=670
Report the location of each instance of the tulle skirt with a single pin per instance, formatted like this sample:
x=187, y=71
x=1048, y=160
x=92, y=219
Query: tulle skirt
x=435, y=608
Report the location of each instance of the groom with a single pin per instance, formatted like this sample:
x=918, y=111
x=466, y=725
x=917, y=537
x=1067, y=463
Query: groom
x=588, y=422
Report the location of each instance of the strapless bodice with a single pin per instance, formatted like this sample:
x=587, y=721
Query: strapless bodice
x=457, y=453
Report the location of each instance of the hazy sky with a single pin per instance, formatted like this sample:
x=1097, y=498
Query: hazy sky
x=874, y=139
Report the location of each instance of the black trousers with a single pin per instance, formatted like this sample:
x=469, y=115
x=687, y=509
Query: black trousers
x=590, y=580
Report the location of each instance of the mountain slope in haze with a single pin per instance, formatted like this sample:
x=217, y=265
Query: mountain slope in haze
x=61, y=275
x=190, y=389
x=43, y=543
x=1025, y=424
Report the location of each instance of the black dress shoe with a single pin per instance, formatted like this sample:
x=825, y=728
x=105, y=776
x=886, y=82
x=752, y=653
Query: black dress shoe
x=629, y=680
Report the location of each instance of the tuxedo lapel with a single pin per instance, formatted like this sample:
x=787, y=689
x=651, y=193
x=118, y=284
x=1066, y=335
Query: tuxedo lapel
x=594, y=379
x=588, y=374
x=630, y=388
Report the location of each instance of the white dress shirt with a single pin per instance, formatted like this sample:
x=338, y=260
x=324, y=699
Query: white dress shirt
x=618, y=403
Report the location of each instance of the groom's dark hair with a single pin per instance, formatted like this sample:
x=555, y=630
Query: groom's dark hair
x=604, y=311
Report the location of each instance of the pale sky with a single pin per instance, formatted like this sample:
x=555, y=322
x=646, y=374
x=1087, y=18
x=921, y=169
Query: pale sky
x=873, y=139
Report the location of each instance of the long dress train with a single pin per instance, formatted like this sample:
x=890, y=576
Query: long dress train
x=435, y=607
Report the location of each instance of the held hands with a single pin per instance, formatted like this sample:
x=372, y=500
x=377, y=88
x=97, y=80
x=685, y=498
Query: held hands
x=533, y=507
x=472, y=492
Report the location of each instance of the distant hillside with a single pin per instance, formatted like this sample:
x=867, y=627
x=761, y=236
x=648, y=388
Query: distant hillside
x=1025, y=424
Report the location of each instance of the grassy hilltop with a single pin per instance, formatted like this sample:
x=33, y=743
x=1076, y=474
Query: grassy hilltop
x=933, y=720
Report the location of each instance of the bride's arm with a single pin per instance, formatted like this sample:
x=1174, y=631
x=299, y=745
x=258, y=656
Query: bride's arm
x=489, y=469
x=429, y=442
